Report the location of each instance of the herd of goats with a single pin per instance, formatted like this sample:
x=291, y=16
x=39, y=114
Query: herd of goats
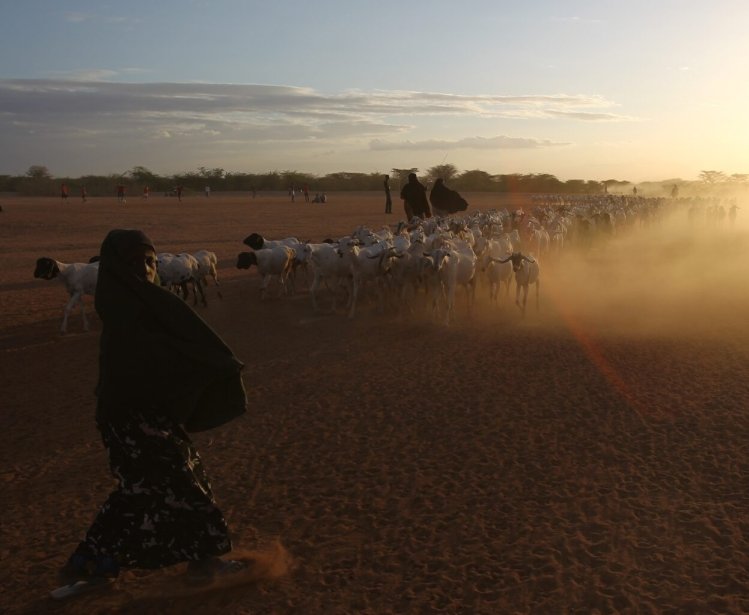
x=429, y=258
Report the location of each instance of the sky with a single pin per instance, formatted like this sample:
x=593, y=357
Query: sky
x=582, y=89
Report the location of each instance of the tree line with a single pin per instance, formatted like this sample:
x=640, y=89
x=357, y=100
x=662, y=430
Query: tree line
x=39, y=181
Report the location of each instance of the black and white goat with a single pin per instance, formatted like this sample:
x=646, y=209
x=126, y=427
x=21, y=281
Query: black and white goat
x=271, y=263
x=79, y=280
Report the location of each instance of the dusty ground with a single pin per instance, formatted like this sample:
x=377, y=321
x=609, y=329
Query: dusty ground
x=592, y=456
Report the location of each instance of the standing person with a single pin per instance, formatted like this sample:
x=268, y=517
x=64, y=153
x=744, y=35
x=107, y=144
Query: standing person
x=146, y=192
x=64, y=192
x=179, y=193
x=207, y=191
x=121, y=193
x=732, y=213
x=388, y=198
x=162, y=510
x=292, y=192
x=84, y=194
x=414, y=196
x=306, y=193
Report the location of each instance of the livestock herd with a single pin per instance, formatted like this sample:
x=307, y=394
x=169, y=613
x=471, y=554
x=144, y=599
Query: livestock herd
x=420, y=264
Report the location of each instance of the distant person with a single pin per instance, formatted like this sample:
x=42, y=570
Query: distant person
x=64, y=192
x=634, y=191
x=674, y=191
x=84, y=194
x=306, y=193
x=207, y=192
x=388, y=198
x=445, y=201
x=317, y=198
x=162, y=511
x=178, y=189
x=121, y=194
x=732, y=213
x=146, y=192
x=323, y=198
x=414, y=196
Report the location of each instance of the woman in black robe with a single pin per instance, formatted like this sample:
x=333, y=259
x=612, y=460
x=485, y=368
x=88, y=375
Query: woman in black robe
x=163, y=372
x=414, y=195
x=445, y=201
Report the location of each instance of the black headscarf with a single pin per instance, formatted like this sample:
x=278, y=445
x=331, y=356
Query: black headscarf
x=156, y=354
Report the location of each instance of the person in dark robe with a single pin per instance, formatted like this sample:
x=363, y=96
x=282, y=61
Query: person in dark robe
x=414, y=196
x=444, y=200
x=163, y=372
x=388, y=198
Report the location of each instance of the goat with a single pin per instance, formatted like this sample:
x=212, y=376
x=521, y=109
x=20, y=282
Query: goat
x=79, y=279
x=526, y=272
x=207, y=262
x=258, y=242
x=497, y=272
x=176, y=271
x=366, y=264
x=328, y=265
x=455, y=263
x=271, y=263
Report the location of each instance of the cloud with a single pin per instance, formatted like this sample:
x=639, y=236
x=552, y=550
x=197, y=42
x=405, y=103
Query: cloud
x=37, y=116
x=87, y=74
x=94, y=97
x=586, y=116
x=476, y=143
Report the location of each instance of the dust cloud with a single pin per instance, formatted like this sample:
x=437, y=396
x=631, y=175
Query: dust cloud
x=675, y=278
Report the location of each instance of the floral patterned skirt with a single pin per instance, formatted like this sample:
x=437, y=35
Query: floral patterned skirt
x=162, y=511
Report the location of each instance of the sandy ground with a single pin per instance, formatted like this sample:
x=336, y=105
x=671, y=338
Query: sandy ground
x=592, y=457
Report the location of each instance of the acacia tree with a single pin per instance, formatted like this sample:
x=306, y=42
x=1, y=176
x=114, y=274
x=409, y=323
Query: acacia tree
x=445, y=171
x=143, y=175
x=712, y=177
x=400, y=176
x=38, y=171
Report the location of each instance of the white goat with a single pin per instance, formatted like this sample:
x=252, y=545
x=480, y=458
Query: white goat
x=207, y=262
x=527, y=272
x=367, y=264
x=176, y=271
x=497, y=272
x=329, y=267
x=455, y=262
x=79, y=280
